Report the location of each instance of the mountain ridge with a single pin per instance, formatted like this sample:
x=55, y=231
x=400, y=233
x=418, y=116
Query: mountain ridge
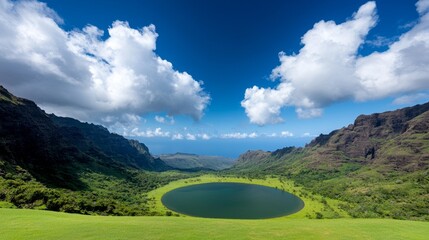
x=379, y=164
x=53, y=148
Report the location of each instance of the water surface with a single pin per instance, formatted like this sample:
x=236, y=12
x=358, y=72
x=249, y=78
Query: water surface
x=232, y=200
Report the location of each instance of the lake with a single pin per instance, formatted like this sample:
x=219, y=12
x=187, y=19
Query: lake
x=232, y=200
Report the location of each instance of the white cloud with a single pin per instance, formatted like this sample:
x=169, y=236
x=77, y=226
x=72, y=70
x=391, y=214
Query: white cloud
x=160, y=119
x=204, y=136
x=381, y=41
x=252, y=135
x=148, y=133
x=306, y=134
x=328, y=69
x=128, y=119
x=286, y=134
x=191, y=137
x=234, y=135
x=308, y=112
x=411, y=99
x=263, y=105
x=281, y=134
x=165, y=120
x=422, y=6
x=177, y=136
x=242, y=135
x=239, y=135
x=86, y=74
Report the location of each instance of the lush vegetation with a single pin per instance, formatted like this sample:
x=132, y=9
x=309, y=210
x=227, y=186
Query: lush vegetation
x=32, y=224
x=61, y=164
x=120, y=193
x=365, y=192
x=372, y=194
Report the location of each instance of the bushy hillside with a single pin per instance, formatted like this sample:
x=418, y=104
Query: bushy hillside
x=379, y=164
x=63, y=164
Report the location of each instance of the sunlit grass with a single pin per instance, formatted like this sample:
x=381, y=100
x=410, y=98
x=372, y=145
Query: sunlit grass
x=35, y=224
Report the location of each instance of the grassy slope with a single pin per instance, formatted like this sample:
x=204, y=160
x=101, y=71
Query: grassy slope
x=35, y=224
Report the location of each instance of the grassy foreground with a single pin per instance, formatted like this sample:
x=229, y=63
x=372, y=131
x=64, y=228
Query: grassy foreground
x=36, y=224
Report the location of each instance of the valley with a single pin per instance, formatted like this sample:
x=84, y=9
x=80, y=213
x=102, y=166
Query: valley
x=375, y=170
x=223, y=120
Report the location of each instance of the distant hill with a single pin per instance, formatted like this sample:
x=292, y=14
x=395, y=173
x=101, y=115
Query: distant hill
x=380, y=164
x=186, y=161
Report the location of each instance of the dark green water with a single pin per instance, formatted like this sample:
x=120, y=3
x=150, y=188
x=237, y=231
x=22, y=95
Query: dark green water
x=232, y=200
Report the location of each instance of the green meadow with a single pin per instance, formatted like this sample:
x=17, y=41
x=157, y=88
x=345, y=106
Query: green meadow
x=37, y=224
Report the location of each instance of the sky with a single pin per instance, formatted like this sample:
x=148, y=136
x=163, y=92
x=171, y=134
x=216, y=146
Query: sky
x=216, y=77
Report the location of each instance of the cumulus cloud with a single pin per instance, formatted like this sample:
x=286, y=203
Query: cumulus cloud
x=328, y=68
x=89, y=74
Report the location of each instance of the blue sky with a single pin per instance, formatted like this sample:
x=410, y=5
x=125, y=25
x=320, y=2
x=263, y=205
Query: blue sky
x=179, y=75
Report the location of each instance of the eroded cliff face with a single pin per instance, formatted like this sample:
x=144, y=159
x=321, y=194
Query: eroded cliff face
x=395, y=140
x=394, y=136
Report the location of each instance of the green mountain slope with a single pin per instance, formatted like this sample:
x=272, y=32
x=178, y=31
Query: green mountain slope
x=379, y=164
x=186, y=161
x=52, y=147
x=63, y=164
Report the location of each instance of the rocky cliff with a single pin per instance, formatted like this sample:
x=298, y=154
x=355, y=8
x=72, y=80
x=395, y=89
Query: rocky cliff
x=396, y=138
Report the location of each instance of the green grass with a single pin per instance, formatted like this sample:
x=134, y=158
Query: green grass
x=6, y=205
x=35, y=224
